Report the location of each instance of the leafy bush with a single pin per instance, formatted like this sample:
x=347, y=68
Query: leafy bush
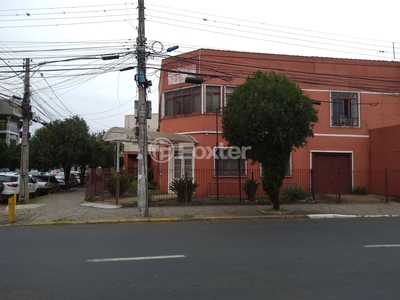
x=152, y=185
x=134, y=187
x=250, y=188
x=362, y=190
x=294, y=193
x=125, y=182
x=178, y=187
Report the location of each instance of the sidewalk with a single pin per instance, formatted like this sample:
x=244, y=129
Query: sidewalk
x=69, y=207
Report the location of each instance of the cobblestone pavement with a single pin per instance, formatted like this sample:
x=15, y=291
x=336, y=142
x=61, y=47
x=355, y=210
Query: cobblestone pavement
x=70, y=207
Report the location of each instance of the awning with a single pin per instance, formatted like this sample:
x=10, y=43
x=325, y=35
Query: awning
x=122, y=134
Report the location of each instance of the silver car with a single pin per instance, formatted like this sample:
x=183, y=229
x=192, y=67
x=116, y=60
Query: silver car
x=47, y=184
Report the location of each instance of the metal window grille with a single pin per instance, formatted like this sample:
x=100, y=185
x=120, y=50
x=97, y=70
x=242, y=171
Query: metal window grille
x=345, y=109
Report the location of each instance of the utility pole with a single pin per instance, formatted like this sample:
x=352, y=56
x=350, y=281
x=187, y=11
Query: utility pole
x=26, y=112
x=143, y=205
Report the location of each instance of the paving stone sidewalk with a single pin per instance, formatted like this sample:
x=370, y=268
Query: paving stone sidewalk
x=70, y=207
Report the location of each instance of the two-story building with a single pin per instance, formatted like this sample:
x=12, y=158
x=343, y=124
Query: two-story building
x=356, y=96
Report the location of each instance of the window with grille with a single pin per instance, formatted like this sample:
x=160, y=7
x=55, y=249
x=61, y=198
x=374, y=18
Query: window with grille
x=228, y=165
x=183, y=102
x=345, y=109
x=228, y=92
x=213, y=98
x=183, y=163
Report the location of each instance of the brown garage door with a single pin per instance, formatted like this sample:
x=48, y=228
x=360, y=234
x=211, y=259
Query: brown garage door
x=332, y=172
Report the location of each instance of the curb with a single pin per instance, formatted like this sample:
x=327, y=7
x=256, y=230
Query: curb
x=157, y=220
x=199, y=219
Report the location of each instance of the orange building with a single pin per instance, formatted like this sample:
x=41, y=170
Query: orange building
x=356, y=96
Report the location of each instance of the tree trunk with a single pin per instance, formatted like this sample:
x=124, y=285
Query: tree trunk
x=275, y=205
x=275, y=202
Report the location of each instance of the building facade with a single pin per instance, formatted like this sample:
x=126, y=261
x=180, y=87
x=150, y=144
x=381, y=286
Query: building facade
x=10, y=117
x=356, y=96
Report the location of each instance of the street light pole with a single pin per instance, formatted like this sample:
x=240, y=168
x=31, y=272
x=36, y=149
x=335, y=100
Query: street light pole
x=143, y=206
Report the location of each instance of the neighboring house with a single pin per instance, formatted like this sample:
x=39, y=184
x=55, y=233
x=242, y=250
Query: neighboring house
x=359, y=98
x=10, y=116
x=131, y=149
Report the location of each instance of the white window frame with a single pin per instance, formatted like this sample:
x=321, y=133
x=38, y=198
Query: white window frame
x=205, y=97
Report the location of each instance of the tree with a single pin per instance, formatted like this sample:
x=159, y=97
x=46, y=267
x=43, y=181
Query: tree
x=102, y=152
x=98, y=153
x=270, y=114
x=59, y=144
x=5, y=154
x=15, y=161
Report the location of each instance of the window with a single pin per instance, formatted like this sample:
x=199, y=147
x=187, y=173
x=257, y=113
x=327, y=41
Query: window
x=227, y=162
x=228, y=92
x=213, y=98
x=345, y=109
x=183, y=102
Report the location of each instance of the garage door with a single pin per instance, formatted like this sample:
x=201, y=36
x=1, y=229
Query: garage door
x=332, y=172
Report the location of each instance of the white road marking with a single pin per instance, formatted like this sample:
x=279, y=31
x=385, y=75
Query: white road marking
x=135, y=258
x=382, y=246
x=330, y=216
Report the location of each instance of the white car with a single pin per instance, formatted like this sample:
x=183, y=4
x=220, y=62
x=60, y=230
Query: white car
x=10, y=185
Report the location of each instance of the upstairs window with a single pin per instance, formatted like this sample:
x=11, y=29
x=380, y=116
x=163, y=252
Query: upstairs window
x=213, y=98
x=228, y=92
x=183, y=102
x=345, y=109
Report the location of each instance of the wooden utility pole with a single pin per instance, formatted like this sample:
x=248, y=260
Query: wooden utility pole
x=143, y=205
x=26, y=112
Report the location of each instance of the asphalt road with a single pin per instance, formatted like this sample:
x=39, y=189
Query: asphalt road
x=275, y=259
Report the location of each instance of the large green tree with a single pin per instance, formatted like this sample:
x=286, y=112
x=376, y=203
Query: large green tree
x=98, y=153
x=270, y=114
x=59, y=144
x=102, y=151
x=15, y=162
x=5, y=154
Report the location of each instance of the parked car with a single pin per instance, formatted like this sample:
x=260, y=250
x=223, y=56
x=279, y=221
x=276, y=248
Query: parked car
x=34, y=172
x=77, y=176
x=10, y=185
x=47, y=184
x=72, y=180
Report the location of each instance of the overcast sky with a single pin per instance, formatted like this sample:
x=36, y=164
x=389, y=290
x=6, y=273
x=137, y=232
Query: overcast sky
x=64, y=38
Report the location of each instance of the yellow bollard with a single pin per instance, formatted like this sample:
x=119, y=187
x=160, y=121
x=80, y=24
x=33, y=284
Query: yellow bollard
x=11, y=208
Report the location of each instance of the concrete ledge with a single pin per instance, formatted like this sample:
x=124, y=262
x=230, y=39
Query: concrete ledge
x=100, y=205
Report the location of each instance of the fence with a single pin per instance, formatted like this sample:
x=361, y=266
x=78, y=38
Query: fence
x=339, y=186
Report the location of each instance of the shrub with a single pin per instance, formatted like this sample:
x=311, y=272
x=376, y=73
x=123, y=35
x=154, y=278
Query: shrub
x=134, y=187
x=250, y=188
x=294, y=193
x=362, y=190
x=125, y=182
x=152, y=185
x=178, y=187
